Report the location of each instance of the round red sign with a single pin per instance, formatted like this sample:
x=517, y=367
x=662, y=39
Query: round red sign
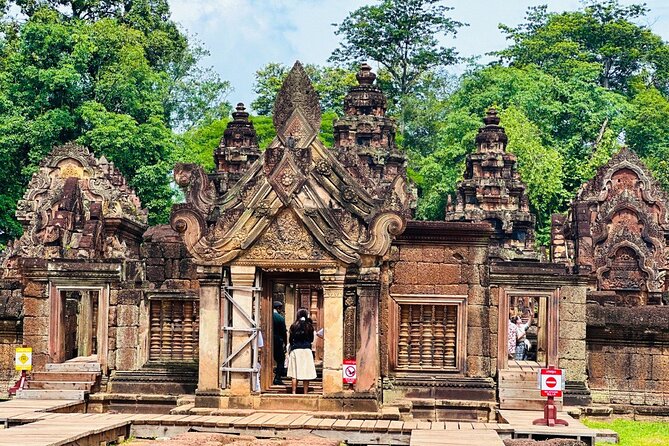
x=551, y=382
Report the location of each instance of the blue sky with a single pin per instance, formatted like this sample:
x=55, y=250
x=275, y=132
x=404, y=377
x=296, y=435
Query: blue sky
x=244, y=35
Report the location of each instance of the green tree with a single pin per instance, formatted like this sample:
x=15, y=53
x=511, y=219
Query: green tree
x=603, y=37
x=561, y=131
x=118, y=77
x=402, y=36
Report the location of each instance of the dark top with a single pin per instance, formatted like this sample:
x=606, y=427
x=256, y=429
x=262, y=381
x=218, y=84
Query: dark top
x=301, y=337
x=279, y=327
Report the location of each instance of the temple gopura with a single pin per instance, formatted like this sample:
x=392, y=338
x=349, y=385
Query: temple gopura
x=140, y=315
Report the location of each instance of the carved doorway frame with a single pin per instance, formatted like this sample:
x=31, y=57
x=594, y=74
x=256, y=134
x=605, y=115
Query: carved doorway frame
x=57, y=327
x=552, y=322
x=268, y=281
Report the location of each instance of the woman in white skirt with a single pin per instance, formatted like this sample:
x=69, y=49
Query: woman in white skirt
x=301, y=359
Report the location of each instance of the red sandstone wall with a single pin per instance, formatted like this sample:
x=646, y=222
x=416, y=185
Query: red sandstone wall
x=451, y=270
x=10, y=308
x=628, y=357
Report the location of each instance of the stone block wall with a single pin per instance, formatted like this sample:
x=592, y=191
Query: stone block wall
x=166, y=260
x=36, y=322
x=11, y=310
x=571, y=340
x=628, y=357
x=450, y=270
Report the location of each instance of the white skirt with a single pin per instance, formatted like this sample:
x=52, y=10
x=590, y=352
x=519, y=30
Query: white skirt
x=301, y=364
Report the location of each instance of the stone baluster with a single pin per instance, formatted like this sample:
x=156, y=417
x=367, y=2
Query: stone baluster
x=439, y=334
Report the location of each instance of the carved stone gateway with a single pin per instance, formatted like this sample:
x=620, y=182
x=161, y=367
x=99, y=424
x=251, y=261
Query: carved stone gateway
x=616, y=234
x=303, y=207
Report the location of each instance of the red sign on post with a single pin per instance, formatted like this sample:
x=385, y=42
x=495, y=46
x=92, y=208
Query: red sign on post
x=551, y=382
x=349, y=372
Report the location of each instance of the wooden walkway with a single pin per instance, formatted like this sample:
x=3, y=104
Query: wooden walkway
x=437, y=438
x=39, y=426
x=521, y=423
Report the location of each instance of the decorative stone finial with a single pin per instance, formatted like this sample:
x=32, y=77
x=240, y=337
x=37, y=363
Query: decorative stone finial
x=365, y=76
x=491, y=133
x=240, y=114
x=297, y=92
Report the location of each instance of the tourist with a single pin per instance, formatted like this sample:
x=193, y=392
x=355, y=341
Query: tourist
x=512, y=335
x=279, y=337
x=300, y=358
x=521, y=338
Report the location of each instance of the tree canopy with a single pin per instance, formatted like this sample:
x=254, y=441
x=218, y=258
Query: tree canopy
x=402, y=36
x=116, y=76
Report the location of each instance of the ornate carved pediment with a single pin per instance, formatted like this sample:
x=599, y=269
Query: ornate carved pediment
x=299, y=183
x=619, y=225
x=69, y=204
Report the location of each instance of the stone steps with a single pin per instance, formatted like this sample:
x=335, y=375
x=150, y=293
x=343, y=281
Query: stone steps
x=69, y=380
x=61, y=385
x=30, y=394
x=65, y=376
x=74, y=367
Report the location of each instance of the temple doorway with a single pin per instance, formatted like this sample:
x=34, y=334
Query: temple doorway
x=78, y=324
x=533, y=314
x=80, y=320
x=293, y=291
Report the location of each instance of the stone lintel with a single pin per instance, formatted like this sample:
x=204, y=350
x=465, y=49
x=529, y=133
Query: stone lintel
x=442, y=232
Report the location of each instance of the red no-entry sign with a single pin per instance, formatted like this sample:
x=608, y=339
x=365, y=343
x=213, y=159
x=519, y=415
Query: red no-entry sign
x=551, y=382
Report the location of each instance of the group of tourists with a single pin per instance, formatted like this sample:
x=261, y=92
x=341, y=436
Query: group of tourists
x=296, y=343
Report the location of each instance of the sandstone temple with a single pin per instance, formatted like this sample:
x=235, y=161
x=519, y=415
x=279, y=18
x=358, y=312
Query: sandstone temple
x=139, y=316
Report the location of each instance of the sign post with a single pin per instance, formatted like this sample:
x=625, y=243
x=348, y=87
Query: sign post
x=349, y=372
x=23, y=361
x=551, y=384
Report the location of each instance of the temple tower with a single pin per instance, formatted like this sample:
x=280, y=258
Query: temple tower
x=492, y=191
x=365, y=136
x=238, y=149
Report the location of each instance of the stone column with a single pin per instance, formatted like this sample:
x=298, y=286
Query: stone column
x=369, y=288
x=242, y=278
x=333, y=321
x=210, y=314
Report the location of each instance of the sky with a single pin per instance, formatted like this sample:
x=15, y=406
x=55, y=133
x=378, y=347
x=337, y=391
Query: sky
x=244, y=35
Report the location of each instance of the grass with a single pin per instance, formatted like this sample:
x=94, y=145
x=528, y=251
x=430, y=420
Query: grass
x=634, y=433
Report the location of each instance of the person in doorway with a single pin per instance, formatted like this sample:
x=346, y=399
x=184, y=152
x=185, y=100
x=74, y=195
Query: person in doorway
x=512, y=336
x=300, y=358
x=521, y=337
x=279, y=342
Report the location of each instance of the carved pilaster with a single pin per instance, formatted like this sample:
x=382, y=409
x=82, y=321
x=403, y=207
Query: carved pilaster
x=243, y=278
x=369, y=288
x=333, y=321
x=350, y=326
x=210, y=311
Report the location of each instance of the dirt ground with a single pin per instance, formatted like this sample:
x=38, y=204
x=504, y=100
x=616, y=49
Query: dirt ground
x=208, y=439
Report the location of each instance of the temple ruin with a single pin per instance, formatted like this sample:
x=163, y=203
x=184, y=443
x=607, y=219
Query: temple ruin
x=421, y=307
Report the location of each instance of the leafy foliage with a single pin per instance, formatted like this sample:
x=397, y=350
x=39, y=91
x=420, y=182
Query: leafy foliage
x=602, y=38
x=115, y=76
x=402, y=36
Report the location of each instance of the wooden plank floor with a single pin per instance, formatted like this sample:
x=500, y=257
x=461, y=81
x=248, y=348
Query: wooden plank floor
x=521, y=423
x=478, y=437
x=46, y=428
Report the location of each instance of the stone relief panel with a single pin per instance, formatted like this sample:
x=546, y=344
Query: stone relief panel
x=616, y=229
